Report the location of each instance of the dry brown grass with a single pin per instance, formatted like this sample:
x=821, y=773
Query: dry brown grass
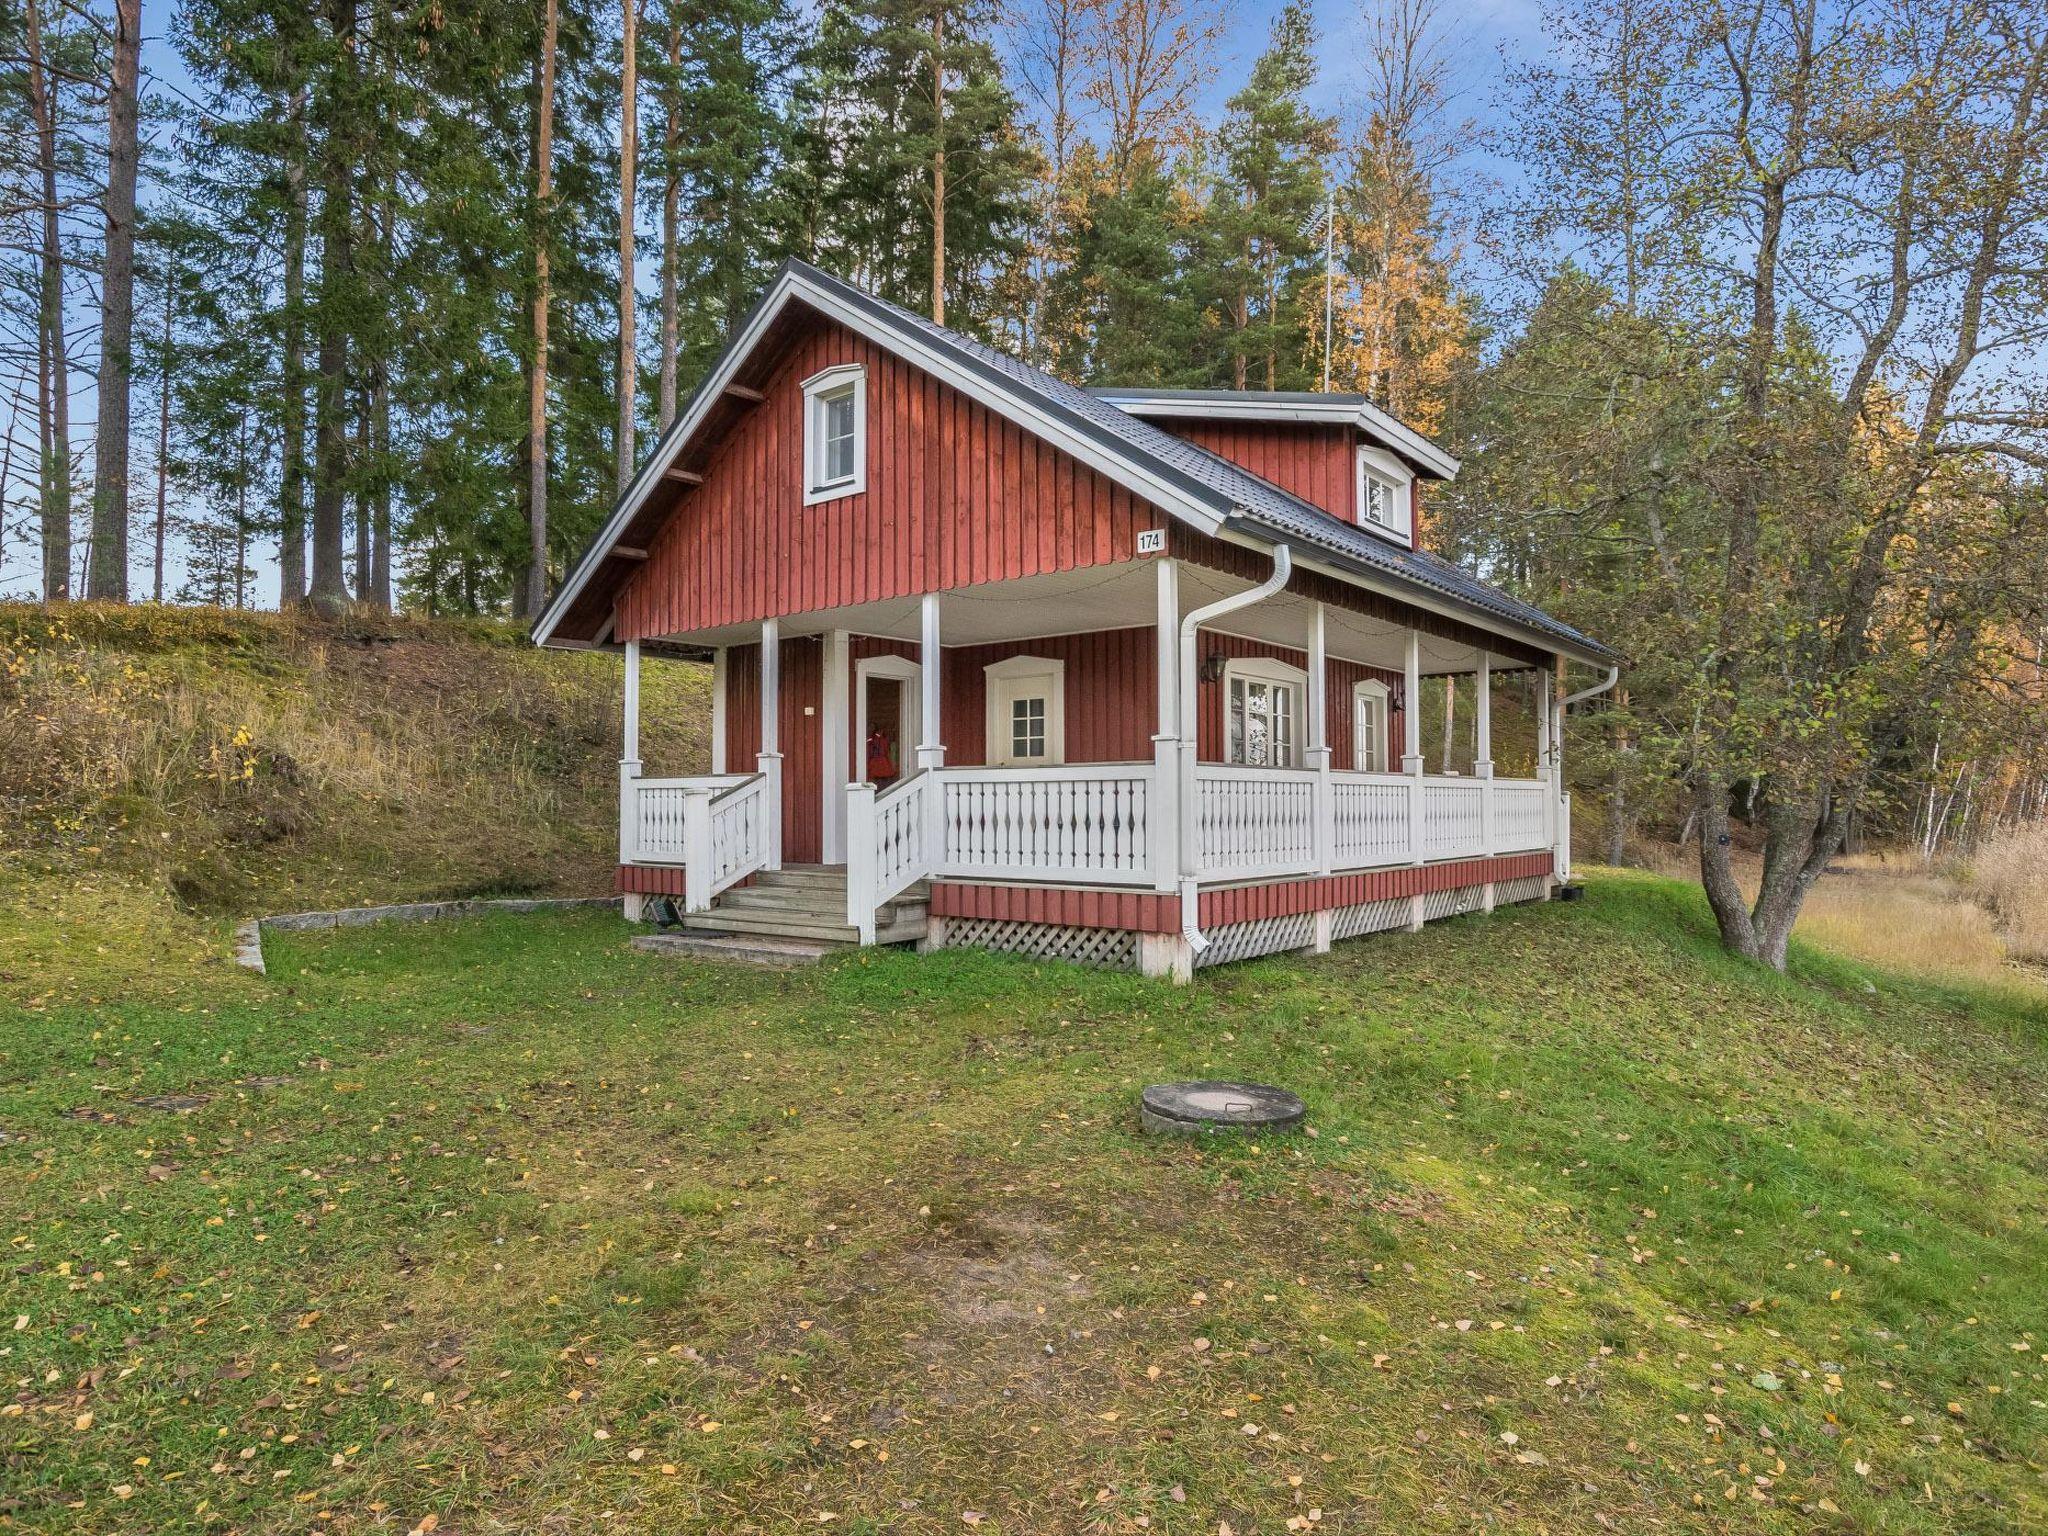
x=263, y=758
x=2011, y=873
x=1888, y=908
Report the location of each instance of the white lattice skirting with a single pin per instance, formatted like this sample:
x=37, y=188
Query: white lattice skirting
x=1466, y=898
x=1264, y=936
x=1369, y=917
x=1111, y=948
x=1117, y=950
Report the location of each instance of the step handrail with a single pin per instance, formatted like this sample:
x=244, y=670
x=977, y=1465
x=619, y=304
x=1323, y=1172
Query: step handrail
x=890, y=838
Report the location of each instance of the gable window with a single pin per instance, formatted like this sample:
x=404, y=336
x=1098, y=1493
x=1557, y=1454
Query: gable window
x=1369, y=744
x=1385, y=496
x=835, y=433
x=1262, y=712
x=1027, y=706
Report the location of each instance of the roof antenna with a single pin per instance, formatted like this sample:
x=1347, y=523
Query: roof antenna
x=1324, y=222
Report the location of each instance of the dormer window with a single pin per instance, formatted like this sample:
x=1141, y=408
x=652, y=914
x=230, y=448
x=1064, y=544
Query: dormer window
x=1385, y=496
x=835, y=433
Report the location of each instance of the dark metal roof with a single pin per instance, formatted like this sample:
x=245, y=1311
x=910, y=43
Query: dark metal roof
x=1235, y=396
x=1234, y=495
x=1240, y=497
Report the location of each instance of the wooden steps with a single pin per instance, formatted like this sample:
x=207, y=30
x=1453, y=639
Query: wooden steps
x=793, y=915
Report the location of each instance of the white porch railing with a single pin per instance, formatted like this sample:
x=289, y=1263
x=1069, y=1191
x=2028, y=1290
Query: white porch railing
x=1252, y=822
x=1453, y=818
x=1103, y=824
x=715, y=826
x=1370, y=820
x=1518, y=816
x=1086, y=823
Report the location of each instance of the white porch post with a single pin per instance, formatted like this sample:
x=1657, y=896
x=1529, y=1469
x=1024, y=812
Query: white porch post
x=1411, y=749
x=836, y=745
x=931, y=751
x=770, y=759
x=1411, y=701
x=1166, y=784
x=1483, y=725
x=1318, y=754
x=1543, y=759
x=1482, y=757
x=1561, y=841
x=629, y=757
x=719, y=673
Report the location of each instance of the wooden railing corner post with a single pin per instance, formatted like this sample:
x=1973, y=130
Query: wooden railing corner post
x=1162, y=829
x=770, y=764
x=629, y=811
x=860, y=860
x=1323, y=834
x=697, y=873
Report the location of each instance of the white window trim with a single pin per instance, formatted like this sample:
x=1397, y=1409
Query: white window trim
x=1024, y=669
x=817, y=388
x=1382, y=465
x=1376, y=695
x=1268, y=669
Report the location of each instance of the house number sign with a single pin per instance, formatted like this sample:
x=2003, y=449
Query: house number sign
x=1151, y=541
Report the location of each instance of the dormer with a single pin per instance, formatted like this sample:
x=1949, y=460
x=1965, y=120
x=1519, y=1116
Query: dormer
x=1337, y=452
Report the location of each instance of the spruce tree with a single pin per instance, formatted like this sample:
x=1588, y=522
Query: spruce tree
x=1270, y=184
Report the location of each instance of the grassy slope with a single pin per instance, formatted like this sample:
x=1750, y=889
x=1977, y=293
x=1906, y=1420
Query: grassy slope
x=254, y=762
x=539, y=1230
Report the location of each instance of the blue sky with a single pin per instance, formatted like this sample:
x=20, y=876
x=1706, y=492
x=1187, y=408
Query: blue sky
x=1484, y=32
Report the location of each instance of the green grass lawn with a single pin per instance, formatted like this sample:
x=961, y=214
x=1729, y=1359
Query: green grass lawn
x=498, y=1226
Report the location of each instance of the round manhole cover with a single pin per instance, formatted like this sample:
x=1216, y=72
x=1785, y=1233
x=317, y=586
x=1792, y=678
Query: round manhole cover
x=1196, y=1108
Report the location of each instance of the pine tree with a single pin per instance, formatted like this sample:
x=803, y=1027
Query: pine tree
x=1269, y=186
x=862, y=187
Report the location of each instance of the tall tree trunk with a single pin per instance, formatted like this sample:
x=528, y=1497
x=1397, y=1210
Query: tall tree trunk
x=53, y=381
x=109, y=578
x=364, y=515
x=291, y=487
x=241, y=510
x=330, y=391
x=629, y=163
x=380, y=530
x=939, y=164
x=1617, y=790
x=671, y=208
x=163, y=439
x=1450, y=718
x=537, y=367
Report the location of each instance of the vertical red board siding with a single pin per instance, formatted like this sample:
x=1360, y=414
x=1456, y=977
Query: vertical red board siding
x=800, y=687
x=1111, y=712
x=1110, y=681
x=955, y=495
x=1341, y=678
x=1312, y=460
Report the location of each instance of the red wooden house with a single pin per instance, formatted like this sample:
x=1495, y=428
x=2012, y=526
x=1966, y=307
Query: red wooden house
x=1115, y=676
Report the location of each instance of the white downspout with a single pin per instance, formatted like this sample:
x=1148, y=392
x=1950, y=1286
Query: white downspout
x=1607, y=682
x=1561, y=855
x=1188, y=725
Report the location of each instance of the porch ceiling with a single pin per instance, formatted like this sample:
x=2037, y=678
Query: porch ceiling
x=1115, y=597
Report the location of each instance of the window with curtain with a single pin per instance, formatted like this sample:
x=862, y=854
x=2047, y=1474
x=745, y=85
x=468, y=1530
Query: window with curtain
x=1262, y=713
